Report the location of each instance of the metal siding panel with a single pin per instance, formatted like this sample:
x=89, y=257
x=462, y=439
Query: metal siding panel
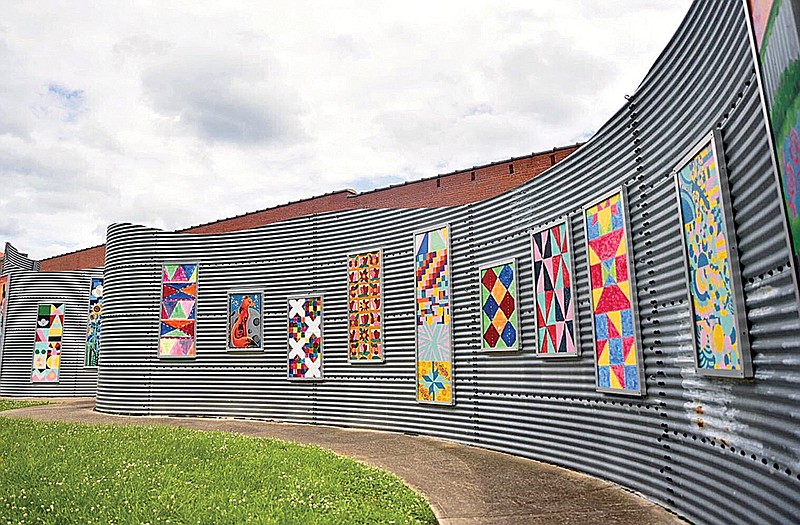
x=714, y=450
x=28, y=289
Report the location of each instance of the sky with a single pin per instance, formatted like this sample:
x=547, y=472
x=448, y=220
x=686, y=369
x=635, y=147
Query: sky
x=172, y=114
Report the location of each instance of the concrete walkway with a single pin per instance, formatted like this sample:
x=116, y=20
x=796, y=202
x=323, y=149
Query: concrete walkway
x=472, y=486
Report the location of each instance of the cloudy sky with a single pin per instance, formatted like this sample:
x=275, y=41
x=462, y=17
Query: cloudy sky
x=179, y=115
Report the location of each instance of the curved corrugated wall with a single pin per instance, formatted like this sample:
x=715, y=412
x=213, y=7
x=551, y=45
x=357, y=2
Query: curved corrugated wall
x=15, y=261
x=28, y=288
x=714, y=450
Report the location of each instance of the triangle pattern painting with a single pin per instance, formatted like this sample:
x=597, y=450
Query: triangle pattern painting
x=178, y=310
x=499, y=311
x=617, y=363
x=552, y=277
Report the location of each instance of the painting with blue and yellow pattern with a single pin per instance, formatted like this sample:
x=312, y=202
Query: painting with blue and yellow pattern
x=719, y=326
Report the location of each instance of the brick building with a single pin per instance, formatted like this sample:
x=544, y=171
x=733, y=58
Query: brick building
x=459, y=187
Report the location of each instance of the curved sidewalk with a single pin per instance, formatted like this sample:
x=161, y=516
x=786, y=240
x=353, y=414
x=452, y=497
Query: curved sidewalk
x=465, y=485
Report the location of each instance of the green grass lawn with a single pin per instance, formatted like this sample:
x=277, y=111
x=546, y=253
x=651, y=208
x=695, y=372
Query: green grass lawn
x=67, y=473
x=10, y=404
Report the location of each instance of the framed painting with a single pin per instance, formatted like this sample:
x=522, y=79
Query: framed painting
x=245, y=328
x=434, y=316
x=619, y=365
x=500, y=326
x=305, y=330
x=178, y=310
x=554, y=291
x=365, y=307
x=47, y=345
x=716, y=298
x=93, y=325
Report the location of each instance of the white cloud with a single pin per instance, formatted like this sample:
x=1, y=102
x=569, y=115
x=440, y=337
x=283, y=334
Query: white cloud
x=173, y=116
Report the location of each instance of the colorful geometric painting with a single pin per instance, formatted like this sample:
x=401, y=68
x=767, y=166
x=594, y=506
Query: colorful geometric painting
x=499, y=311
x=92, y=354
x=555, y=302
x=616, y=336
x=178, y=310
x=305, y=338
x=365, y=307
x=47, y=346
x=720, y=329
x=244, y=320
x=434, y=316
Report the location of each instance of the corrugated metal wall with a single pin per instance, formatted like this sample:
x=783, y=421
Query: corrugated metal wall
x=714, y=450
x=15, y=261
x=29, y=288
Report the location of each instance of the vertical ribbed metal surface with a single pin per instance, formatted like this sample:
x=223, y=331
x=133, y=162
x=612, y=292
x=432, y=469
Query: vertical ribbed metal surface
x=28, y=289
x=714, y=450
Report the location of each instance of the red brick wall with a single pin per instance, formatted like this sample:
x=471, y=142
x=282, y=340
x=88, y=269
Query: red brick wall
x=460, y=187
x=80, y=260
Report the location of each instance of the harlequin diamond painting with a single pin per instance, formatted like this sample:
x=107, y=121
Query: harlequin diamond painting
x=93, y=328
x=433, y=313
x=305, y=338
x=244, y=321
x=178, y=310
x=47, y=345
x=552, y=277
x=499, y=312
x=720, y=338
x=616, y=337
x=365, y=308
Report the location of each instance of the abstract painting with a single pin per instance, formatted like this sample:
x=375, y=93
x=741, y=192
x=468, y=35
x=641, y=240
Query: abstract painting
x=244, y=321
x=365, y=307
x=433, y=316
x=499, y=309
x=618, y=363
x=556, y=322
x=719, y=323
x=305, y=337
x=776, y=35
x=47, y=346
x=93, y=328
x=178, y=310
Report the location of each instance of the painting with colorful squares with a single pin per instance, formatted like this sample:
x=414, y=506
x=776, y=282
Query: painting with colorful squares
x=433, y=316
x=365, y=307
x=500, y=328
x=244, y=321
x=556, y=320
x=178, y=310
x=618, y=363
x=93, y=328
x=305, y=337
x=47, y=345
x=721, y=344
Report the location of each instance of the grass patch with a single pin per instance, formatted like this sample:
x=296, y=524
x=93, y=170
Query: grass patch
x=68, y=473
x=11, y=404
